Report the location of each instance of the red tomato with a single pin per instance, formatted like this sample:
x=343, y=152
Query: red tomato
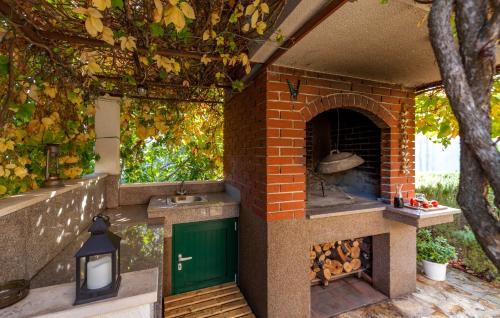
x=412, y=202
x=425, y=205
x=434, y=203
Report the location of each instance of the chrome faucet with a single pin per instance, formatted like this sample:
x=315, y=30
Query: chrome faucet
x=182, y=190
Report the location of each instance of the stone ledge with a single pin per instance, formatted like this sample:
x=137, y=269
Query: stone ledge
x=420, y=218
x=23, y=200
x=137, y=289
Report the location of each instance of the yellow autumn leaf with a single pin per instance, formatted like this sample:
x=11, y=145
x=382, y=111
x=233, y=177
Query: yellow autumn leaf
x=248, y=69
x=107, y=36
x=50, y=91
x=144, y=60
x=20, y=172
x=205, y=59
x=47, y=122
x=214, y=18
x=94, y=68
x=256, y=3
x=264, y=7
x=261, y=27
x=250, y=9
x=173, y=2
x=101, y=4
x=187, y=10
x=206, y=35
x=175, y=16
x=10, y=166
x=3, y=189
x=253, y=20
x=128, y=43
x=244, y=58
x=141, y=132
x=90, y=28
x=92, y=12
x=245, y=28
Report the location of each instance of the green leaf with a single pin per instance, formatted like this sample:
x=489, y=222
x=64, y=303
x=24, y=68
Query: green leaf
x=238, y=85
x=163, y=74
x=117, y=4
x=157, y=30
x=4, y=65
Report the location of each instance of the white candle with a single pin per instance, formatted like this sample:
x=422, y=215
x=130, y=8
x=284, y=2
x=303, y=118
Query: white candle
x=99, y=273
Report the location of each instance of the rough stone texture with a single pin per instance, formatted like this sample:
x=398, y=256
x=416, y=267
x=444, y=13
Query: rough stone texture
x=112, y=191
x=287, y=269
x=34, y=235
x=141, y=193
x=253, y=261
x=393, y=264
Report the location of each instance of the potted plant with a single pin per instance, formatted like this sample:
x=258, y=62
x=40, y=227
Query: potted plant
x=434, y=253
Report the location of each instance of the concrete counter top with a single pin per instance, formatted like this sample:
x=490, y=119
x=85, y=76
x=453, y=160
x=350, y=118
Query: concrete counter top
x=136, y=297
x=217, y=206
x=404, y=215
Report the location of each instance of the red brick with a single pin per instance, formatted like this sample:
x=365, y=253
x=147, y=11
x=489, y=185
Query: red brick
x=292, y=187
x=277, y=216
x=290, y=115
x=292, y=169
x=279, y=197
x=299, y=205
x=280, y=179
x=291, y=151
x=280, y=142
x=279, y=123
x=293, y=133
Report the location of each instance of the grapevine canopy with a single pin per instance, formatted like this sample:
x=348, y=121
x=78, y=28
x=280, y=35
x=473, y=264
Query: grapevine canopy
x=169, y=49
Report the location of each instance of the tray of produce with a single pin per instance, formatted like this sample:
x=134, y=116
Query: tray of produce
x=424, y=205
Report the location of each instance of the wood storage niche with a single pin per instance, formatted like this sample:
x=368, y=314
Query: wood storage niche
x=336, y=259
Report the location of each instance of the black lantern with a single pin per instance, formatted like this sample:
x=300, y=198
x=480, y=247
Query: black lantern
x=98, y=263
x=52, y=178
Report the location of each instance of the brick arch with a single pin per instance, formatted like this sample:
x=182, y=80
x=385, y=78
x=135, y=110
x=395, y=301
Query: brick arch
x=369, y=107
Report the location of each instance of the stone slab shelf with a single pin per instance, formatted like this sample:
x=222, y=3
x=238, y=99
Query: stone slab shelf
x=216, y=206
x=136, y=297
x=418, y=218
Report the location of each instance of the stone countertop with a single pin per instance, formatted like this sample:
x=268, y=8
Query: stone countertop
x=404, y=215
x=141, y=246
x=217, y=206
x=20, y=201
x=136, y=289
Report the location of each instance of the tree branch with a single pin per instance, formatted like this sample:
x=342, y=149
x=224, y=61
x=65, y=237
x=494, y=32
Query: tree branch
x=460, y=94
x=491, y=31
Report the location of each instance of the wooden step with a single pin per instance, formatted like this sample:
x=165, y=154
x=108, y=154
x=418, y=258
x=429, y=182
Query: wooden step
x=218, y=301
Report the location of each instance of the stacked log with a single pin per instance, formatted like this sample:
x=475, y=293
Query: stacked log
x=335, y=258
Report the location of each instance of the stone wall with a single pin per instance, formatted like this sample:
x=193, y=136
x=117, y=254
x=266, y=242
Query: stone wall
x=35, y=234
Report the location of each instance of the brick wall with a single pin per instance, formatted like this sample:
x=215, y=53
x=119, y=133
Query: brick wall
x=245, y=145
x=265, y=135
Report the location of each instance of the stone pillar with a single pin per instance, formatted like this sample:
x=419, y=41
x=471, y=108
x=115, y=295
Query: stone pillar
x=107, y=129
x=394, y=261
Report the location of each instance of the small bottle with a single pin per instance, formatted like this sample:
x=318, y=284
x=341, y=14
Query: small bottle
x=398, y=199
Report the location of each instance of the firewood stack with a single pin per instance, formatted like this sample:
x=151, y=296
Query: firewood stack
x=334, y=258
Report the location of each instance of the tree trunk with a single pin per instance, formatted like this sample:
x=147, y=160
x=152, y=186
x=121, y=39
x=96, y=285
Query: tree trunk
x=467, y=67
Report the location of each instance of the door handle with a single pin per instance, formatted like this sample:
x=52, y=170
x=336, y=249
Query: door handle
x=183, y=259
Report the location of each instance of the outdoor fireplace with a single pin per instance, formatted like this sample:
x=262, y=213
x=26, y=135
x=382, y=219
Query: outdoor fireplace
x=350, y=131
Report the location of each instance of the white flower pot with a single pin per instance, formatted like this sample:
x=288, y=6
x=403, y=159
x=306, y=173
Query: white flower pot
x=435, y=271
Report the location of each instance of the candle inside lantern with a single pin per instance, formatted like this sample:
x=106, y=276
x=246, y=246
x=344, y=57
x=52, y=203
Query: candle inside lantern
x=99, y=273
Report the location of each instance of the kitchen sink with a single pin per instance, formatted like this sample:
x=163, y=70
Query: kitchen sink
x=186, y=199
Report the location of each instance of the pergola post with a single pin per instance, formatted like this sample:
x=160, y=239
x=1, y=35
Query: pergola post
x=107, y=146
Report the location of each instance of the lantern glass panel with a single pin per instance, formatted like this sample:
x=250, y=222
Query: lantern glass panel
x=99, y=271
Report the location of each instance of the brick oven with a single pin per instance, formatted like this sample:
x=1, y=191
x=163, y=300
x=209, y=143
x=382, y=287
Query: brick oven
x=273, y=143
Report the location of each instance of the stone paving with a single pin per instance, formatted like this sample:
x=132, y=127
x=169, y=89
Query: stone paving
x=462, y=295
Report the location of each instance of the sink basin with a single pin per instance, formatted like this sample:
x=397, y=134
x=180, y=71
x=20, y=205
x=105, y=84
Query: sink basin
x=185, y=199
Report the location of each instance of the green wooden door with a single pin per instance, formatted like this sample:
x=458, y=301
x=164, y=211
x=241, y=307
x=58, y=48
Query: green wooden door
x=203, y=254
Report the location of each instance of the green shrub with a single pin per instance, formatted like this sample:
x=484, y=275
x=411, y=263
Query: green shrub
x=444, y=188
x=472, y=254
x=434, y=249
